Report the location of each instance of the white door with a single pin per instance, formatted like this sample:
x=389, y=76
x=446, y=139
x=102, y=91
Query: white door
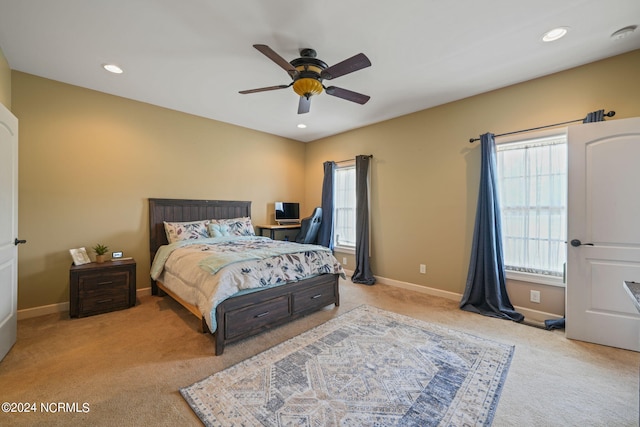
x=604, y=216
x=8, y=229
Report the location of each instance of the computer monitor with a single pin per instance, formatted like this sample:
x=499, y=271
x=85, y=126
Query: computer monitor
x=287, y=212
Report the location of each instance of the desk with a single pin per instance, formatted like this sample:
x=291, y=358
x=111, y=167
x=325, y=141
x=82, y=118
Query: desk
x=276, y=227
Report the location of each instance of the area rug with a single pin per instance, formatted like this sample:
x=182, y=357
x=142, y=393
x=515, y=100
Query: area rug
x=367, y=367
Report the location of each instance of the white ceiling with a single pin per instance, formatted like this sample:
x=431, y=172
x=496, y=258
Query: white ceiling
x=195, y=55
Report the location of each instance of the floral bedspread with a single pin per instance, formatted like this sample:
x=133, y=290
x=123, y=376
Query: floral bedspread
x=205, y=272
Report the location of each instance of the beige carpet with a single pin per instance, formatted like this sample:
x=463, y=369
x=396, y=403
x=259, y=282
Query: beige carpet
x=129, y=365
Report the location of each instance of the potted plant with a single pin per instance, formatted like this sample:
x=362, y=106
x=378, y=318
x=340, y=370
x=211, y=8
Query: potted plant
x=100, y=250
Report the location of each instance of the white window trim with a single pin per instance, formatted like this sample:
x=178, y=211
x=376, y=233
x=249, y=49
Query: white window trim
x=342, y=248
x=535, y=278
x=345, y=249
x=518, y=275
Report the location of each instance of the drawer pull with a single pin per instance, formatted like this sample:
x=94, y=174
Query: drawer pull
x=261, y=315
x=316, y=296
x=102, y=301
x=105, y=283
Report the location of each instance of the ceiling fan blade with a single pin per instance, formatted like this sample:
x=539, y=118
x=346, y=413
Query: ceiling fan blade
x=304, y=105
x=355, y=63
x=264, y=89
x=347, y=94
x=272, y=55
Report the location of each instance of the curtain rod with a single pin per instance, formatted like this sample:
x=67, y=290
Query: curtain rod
x=609, y=114
x=351, y=160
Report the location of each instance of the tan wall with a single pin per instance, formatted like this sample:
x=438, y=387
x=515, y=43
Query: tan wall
x=5, y=82
x=425, y=172
x=88, y=161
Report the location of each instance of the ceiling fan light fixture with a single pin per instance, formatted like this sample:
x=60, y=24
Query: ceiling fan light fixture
x=307, y=87
x=308, y=72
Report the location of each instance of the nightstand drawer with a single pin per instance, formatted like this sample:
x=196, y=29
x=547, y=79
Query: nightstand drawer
x=102, y=302
x=94, y=282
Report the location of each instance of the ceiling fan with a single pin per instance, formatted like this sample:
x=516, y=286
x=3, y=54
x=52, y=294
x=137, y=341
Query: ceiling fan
x=308, y=72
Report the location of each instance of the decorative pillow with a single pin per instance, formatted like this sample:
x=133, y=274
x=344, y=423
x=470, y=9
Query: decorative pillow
x=177, y=231
x=231, y=227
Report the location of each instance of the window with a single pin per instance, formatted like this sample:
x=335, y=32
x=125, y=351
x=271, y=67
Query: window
x=344, y=205
x=532, y=176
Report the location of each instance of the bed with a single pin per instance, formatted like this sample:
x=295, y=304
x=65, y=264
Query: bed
x=242, y=314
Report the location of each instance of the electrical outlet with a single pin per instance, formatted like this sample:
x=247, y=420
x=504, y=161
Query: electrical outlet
x=423, y=269
x=535, y=296
x=344, y=261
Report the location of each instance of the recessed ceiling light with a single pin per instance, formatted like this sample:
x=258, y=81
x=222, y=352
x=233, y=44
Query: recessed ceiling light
x=555, y=34
x=302, y=126
x=112, y=68
x=624, y=32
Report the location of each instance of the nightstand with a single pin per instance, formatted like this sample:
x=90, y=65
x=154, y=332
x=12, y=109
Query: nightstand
x=101, y=287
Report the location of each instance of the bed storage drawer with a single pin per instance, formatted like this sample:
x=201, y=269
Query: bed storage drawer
x=313, y=297
x=243, y=316
x=243, y=321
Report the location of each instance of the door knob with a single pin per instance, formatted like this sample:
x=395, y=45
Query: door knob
x=18, y=241
x=575, y=243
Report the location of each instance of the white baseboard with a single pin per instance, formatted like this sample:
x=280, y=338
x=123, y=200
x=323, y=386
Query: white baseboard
x=529, y=314
x=535, y=316
x=61, y=307
x=417, y=288
x=143, y=292
x=413, y=287
x=28, y=313
x=532, y=316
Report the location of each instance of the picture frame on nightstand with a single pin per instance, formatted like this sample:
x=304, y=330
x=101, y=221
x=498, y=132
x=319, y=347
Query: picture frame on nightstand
x=79, y=256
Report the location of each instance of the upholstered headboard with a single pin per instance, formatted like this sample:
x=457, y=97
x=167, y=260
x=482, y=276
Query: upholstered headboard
x=180, y=210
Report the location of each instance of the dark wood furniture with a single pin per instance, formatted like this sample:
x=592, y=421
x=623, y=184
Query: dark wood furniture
x=249, y=314
x=277, y=227
x=101, y=287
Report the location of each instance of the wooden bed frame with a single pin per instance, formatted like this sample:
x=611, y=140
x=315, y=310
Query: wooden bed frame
x=249, y=314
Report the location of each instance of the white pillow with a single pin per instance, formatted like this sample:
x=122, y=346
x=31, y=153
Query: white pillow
x=177, y=231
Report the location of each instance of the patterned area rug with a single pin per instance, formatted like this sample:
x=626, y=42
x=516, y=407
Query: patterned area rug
x=366, y=367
